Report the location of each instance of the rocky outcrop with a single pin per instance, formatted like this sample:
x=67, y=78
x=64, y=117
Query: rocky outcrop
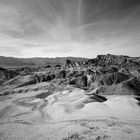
x=6, y=75
x=60, y=74
x=106, y=74
x=133, y=85
x=70, y=63
x=48, y=66
x=79, y=81
x=117, y=60
x=114, y=78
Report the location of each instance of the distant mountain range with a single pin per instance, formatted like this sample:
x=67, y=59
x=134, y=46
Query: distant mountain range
x=36, y=61
x=100, y=60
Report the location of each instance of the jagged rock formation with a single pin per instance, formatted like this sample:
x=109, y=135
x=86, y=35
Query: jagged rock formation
x=116, y=60
x=106, y=74
x=6, y=75
x=72, y=63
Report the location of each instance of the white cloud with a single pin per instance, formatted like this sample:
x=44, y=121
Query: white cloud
x=40, y=29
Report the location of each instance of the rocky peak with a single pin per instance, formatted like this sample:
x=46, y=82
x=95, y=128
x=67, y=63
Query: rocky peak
x=118, y=60
x=72, y=63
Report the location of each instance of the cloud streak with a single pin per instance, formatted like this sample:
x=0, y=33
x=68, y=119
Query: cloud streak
x=85, y=28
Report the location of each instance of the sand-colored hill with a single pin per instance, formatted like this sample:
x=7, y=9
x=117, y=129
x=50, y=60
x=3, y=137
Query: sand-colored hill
x=94, y=100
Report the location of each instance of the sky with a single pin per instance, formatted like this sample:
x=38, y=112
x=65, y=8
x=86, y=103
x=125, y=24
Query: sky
x=60, y=28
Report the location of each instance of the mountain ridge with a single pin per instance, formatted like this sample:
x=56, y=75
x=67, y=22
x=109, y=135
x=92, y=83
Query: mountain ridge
x=35, y=61
x=41, y=61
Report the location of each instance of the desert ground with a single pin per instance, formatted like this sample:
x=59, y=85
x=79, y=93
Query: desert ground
x=66, y=109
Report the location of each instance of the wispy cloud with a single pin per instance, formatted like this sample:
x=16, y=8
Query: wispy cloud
x=50, y=28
